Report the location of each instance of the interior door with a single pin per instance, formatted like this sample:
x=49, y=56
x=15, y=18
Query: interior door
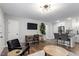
x=2, y=39
x=13, y=29
x=1, y=34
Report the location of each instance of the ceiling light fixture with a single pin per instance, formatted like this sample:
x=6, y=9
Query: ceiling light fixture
x=45, y=8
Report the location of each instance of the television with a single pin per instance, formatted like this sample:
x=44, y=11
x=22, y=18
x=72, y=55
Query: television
x=31, y=26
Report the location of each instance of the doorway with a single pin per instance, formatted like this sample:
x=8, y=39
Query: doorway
x=13, y=29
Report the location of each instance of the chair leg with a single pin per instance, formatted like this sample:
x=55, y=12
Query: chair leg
x=69, y=43
x=29, y=51
x=63, y=41
x=57, y=41
x=38, y=42
x=45, y=54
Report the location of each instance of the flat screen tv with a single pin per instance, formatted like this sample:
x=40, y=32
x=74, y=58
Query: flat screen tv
x=31, y=26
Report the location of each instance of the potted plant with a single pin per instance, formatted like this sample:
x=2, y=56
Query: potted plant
x=42, y=30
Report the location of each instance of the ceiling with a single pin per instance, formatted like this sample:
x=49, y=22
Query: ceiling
x=31, y=10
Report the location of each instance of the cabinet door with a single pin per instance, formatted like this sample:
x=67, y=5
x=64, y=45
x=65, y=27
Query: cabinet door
x=77, y=38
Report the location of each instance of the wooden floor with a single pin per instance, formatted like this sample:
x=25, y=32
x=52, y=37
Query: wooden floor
x=40, y=46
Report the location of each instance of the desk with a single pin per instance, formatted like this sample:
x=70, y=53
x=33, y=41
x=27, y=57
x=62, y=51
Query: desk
x=52, y=50
x=15, y=52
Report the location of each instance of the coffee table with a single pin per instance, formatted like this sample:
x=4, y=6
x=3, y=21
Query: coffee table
x=15, y=52
x=52, y=50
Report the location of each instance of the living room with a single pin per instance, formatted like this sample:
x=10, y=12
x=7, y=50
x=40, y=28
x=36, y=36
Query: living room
x=22, y=21
x=16, y=27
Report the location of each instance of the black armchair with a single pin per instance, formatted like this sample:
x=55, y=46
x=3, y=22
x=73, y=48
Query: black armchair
x=14, y=44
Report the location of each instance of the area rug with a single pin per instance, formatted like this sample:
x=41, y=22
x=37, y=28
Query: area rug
x=39, y=53
x=42, y=53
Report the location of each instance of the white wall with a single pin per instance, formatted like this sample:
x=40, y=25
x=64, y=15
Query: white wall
x=23, y=27
x=2, y=31
x=72, y=24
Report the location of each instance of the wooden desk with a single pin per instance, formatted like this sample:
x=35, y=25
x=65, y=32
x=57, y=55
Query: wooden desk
x=16, y=52
x=52, y=50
